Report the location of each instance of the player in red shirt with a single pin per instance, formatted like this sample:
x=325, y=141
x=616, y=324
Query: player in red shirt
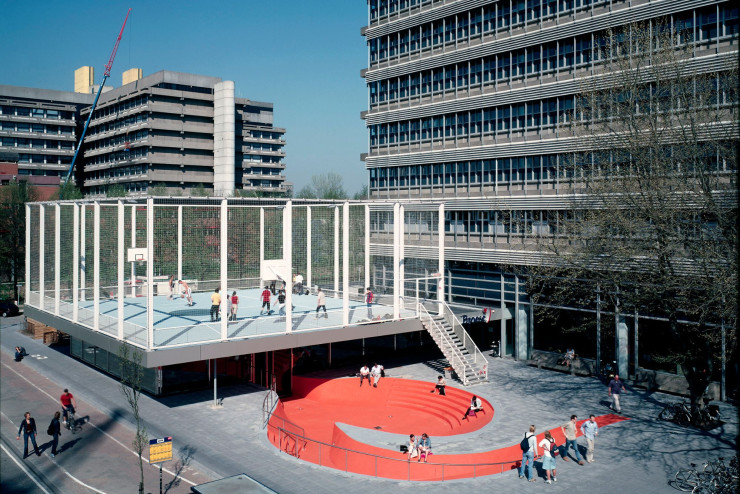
x=68, y=403
x=266, y=294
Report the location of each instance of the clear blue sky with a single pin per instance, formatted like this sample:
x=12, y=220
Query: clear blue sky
x=303, y=56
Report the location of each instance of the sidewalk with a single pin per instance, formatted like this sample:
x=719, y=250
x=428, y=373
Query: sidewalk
x=638, y=455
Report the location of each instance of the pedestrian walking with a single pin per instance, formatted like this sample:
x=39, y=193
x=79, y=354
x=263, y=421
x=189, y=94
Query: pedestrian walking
x=55, y=430
x=364, y=374
x=321, y=304
x=548, y=459
x=615, y=388
x=28, y=427
x=377, y=372
x=569, y=430
x=266, y=294
x=529, y=454
x=369, y=297
x=215, y=305
x=590, y=430
x=234, y=306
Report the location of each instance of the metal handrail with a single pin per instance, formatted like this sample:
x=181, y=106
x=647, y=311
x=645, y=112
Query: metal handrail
x=475, y=466
x=455, y=361
x=468, y=342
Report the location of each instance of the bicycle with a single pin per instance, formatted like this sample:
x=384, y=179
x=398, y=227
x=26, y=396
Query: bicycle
x=71, y=421
x=676, y=412
x=688, y=479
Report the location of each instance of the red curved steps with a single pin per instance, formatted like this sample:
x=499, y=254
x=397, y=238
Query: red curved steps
x=398, y=406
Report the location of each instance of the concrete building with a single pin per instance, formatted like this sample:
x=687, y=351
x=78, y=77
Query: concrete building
x=182, y=132
x=466, y=104
x=41, y=127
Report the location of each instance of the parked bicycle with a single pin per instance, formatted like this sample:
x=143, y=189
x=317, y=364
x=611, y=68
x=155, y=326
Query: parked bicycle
x=679, y=413
x=715, y=477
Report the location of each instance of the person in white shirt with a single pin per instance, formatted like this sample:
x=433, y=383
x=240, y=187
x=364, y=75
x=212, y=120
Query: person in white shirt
x=321, y=304
x=529, y=455
x=590, y=430
x=548, y=461
x=376, y=371
x=364, y=374
x=298, y=285
x=475, y=406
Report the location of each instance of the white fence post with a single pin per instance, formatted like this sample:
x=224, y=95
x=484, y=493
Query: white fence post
x=42, y=240
x=441, y=255
x=57, y=256
x=150, y=273
x=28, y=254
x=367, y=246
x=396, y=260
x=96, y=266
x=345, y=265
x=121, y=274
x=336, y=249
x=224, y=243
x=308, y=247
x=288, y=257
x=76, y=263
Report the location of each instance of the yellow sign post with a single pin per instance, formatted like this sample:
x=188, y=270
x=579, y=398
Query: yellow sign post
x=160, y=450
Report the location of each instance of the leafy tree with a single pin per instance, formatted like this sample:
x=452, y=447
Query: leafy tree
x=158, y=190
x=116, y=190
x=13, y=199
x=654, y=221
x=67, y=191
x=363, y=193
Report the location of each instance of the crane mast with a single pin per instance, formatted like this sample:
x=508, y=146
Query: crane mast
x=106, y=74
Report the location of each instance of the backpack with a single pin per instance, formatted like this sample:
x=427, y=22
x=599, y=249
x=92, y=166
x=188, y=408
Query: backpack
x=553, y=448
x=525, y=443
x=50, y=430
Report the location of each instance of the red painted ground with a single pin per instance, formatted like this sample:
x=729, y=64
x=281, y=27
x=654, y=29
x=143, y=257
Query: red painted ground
x=399, y=406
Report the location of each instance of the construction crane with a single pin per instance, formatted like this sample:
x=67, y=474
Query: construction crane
x=95, y=103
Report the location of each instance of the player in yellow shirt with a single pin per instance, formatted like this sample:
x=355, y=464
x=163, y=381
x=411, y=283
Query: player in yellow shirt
x=215, y=305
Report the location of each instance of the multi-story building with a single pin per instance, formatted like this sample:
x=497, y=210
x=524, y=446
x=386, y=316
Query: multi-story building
x=182, y=132
x=41, y=127
x=469, y=101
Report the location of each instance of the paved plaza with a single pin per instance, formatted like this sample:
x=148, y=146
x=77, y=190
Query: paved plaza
x=638, y=455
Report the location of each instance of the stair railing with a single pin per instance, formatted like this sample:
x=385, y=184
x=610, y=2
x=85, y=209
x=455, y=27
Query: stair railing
x=478, y=358
x=448, y=347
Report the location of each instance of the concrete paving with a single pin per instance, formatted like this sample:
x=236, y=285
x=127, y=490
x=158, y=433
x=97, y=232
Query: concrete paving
x=637, y=455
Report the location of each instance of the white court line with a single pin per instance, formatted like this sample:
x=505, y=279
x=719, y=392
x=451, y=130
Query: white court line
x=22, y=466
x=102, y=431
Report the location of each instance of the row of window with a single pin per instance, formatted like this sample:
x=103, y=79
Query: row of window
x=22, y=111
x=257, y=146
x=118, y=123
x=123, y=139
x=264, y=134
x=121, y=106
x=41, y=173
x=123, y=171
x=101, y=190
x=256, y=158
x=533, y=61
x=263, y=183
x=118, y=156
x=380, y=8
x=36, y=128
x=22, y=142
x=44, y=159
x=256, y=170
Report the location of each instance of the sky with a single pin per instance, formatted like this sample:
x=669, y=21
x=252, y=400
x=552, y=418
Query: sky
x=304, y=57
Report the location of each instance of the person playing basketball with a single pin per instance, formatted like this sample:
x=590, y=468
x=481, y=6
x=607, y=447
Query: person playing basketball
x=187, y=292
x=172, y=288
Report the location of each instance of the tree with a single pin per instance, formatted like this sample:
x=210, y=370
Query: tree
x=132, y=374
x=159, y=190
x=115, y=190
x=324, y=186
x=67, y=191
x=362, y=194
x=653, y=222
x=13, y=199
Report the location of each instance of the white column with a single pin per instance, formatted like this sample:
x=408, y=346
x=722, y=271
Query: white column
x=288, y=257
x=345, y=265
x=96, y=266
x=367, y=245
x=308, y=247
x=75, y=262
x=401, y=256
x=262, y=244
x=179, y=244
x=28, y=254
x=441, y=256
x=57, y=255
x=42, y=227
x=121, y=273
x=336, y=250
x=133, y=245
x=149, y=273
x=224, y=268
x=83, y=259
x=396, y=260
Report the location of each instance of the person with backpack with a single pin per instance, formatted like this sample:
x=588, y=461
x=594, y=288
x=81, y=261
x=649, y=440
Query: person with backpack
x=54, y=430
x=529, y=453
x=549, y=449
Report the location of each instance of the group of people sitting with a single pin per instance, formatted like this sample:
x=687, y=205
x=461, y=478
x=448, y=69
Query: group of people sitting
x=420, y=448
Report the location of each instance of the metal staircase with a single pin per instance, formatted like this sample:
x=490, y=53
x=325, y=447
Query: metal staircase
x=461, y=352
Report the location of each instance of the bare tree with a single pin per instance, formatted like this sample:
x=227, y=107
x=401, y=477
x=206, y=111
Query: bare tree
x=653, y=222
x=132, y=374
x=324, y=186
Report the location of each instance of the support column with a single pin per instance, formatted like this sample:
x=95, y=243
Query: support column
x=96, y=266
x=57, y=255
x=441, y=257
x=121, y=265
x=149, y=273
x=502, y=341
x=308, y=252
x=83, y=250
x=336, y=250
x=367, y=246
x=28, y=255
x=530, y=343
x=262, y=245
x=75, y=262
x=521, y=324
x=133, y=245
x=621, y=335
x=224, y=244
x=402, y=257
x=288, y=258
x=179, y=244
x=345, y=265
x=42, y=240
x=636, y=353
x=396, y=261
x=598, y=330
